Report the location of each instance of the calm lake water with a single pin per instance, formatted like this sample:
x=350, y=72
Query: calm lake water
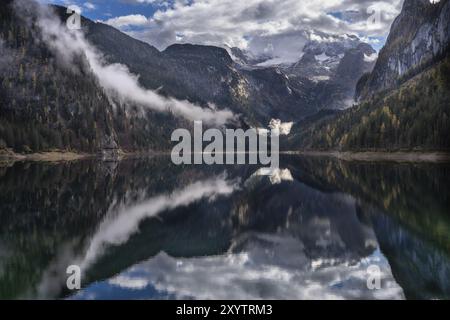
x=146, y=229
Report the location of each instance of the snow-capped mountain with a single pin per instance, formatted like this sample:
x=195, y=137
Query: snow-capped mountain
x=334, y=63
x=323, y=54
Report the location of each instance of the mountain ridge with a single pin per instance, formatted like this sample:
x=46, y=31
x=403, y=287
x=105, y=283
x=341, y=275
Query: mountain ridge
x=81, y=116
x=403, y=105
x=419, y=36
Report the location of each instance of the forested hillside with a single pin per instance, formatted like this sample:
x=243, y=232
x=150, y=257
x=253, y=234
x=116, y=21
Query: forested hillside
x=45, y=105
x=405, y=101
x=416, y=116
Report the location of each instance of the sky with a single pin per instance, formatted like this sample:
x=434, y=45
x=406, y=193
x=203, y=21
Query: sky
x=278, y=28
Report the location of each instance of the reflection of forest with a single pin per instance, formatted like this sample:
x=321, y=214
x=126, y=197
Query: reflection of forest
x=51, y=214
x=409, y=208
x=414, y=194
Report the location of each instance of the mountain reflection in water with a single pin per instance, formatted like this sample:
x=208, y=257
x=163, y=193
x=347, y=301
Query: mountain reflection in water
x=146, y=229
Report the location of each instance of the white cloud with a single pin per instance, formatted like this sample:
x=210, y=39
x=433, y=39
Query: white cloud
x=283, y=128
x=125, y=21
x=264, y=25
x=89, y=6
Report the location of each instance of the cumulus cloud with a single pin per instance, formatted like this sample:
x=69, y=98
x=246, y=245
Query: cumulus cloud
x=264, y=26
x=116, y=78
x=89, y=6
x=284, y=128
x=125, y=21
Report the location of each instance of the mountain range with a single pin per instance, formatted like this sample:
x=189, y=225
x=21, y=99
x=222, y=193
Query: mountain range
x=46, y=104
x=404, y=103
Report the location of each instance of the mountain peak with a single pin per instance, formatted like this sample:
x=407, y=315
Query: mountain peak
x=419, y=36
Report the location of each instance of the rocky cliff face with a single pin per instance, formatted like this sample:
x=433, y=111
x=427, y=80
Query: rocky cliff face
x=419, y=36
x=405, y=100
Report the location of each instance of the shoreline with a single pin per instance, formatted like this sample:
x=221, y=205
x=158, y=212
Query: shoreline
x=48, y=156
x=8, y=156
x=397, y=156
x=371, y=156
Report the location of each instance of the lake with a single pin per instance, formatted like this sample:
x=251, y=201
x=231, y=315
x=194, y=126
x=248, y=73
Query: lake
x=147, y=229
